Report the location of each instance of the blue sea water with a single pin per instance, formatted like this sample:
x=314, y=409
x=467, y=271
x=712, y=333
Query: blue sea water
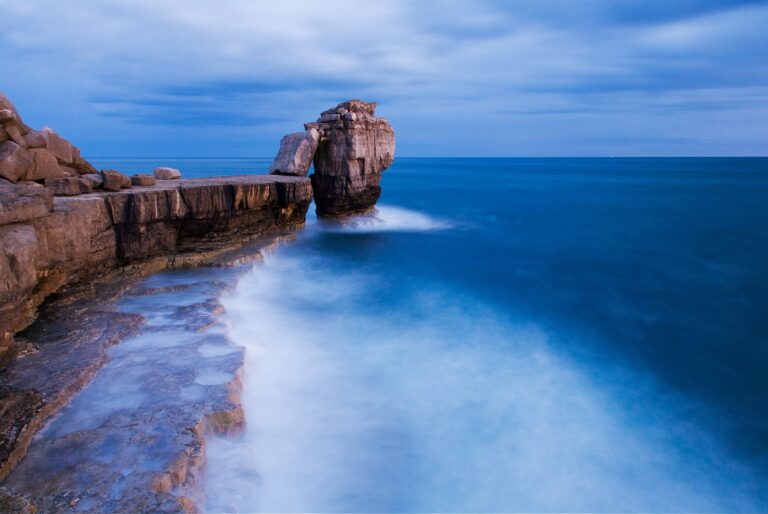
x=510, y=335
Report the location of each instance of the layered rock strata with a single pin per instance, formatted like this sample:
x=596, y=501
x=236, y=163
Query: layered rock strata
x=353, y=148
x=50, y=242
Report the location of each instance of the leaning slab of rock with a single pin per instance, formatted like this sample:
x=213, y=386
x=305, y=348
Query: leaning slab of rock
x=296, y=153
x=164, y=173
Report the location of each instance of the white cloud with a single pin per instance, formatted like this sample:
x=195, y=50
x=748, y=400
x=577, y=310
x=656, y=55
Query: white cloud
x=192, y=61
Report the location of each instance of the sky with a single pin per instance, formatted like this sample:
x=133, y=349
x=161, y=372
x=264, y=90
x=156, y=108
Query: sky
x=227, y=78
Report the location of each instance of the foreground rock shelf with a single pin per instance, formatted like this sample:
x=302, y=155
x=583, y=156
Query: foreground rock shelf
x=59, y=250
x=134, y=439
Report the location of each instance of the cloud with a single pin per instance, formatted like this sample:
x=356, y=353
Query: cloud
x=180, y=68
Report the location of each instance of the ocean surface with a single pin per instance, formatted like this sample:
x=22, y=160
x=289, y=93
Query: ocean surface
x=509, y=335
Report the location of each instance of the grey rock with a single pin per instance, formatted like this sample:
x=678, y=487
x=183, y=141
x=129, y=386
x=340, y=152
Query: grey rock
x=296, y=153
x=94, y=178
x=164, y=173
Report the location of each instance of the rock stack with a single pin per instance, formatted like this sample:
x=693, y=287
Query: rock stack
x=350, y=148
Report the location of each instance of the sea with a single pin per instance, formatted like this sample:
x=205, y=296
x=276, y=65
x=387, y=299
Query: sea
x=506, y=335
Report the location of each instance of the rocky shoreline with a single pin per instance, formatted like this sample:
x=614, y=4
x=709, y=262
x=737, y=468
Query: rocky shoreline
x=134, y=439
x=75, y=243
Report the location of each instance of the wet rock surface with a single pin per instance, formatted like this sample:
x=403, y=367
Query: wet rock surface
x=134, y=439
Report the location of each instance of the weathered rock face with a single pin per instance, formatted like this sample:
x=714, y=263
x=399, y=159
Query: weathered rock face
x=296, y=153
x=355, y=148
x=27, y=154
x=47, y=243
x=350, y=148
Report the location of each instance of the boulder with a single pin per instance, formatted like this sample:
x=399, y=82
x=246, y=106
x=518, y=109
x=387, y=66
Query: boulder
x=5, y=103
x=355, y=148
x=14, y=133
x=66, y=186
x=6, y=115
x=86, y=186
x=296, y=153
x=34, y=139
x=164, y=173
x=81, y=165
x=15, y=161
x=114, y=180
x=94, y=178
x=3, y=135
x=57, y=145
x=142, y=179
x=45, y=166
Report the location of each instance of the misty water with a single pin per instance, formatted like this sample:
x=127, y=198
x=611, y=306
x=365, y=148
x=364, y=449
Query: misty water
x=511, y=335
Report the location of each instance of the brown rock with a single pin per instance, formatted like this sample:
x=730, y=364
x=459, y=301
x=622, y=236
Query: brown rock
x=67, y=186
x=15, y=161
x=34, y=139
x=164, y=173
x=6, y=115
x=296, y=153
x=57, y=145
x=5, y=103
x=22, y=203
x=94, y=178
x=113, y=180
x=81, y=165
x=86, y=186
x=45, y=166
x=3, y=135
x=352, y=154
x=142, y=179
x=14, y=132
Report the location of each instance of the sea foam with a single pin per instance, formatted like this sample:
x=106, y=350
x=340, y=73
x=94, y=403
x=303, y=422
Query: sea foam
x=440, y=403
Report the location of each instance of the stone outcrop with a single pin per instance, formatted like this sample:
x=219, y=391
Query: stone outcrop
x=27, y=154
x=353, y=148
x=296, y=153
x=49, y=242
